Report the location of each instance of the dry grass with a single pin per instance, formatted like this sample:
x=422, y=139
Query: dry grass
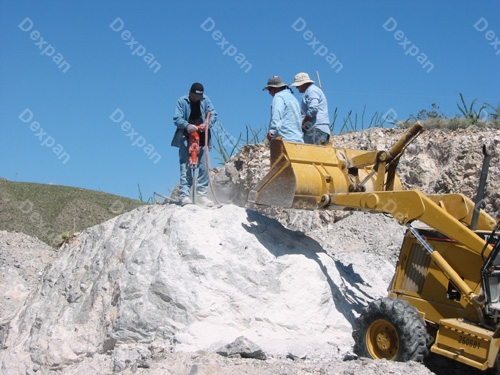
x=50, y=212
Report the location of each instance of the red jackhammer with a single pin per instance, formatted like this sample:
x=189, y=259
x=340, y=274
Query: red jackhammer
x=194, y=150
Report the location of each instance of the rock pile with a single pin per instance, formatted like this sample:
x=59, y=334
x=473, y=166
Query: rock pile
x=164, y=278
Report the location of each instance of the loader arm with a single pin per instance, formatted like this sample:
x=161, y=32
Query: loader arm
x=448, y=213
x=410, y=205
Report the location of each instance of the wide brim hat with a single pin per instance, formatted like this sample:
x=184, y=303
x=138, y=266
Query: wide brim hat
x=274, y=81
x=301, y=79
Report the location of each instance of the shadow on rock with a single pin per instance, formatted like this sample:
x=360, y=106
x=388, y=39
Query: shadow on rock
x=279, y=241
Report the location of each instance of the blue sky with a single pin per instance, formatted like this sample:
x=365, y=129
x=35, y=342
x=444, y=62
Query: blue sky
x=65, y=69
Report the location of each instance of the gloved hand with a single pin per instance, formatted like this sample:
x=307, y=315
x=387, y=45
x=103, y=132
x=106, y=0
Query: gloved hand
x=270, y=135
x=191, y=128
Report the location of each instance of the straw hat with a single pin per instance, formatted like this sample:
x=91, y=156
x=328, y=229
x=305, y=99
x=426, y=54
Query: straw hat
x=301, y=79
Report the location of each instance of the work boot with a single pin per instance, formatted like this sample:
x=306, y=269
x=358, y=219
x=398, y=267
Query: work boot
x=186, y=200
x=202, y=200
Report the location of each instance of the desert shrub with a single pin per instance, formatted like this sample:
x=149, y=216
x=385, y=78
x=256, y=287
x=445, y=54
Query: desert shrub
x=469, y=115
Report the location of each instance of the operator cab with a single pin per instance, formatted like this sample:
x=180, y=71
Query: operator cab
x=490, y=276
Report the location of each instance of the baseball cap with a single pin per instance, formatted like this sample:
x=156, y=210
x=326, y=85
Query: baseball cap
x=197, y=90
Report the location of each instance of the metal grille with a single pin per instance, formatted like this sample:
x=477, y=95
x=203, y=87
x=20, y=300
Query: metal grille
x=416, y=270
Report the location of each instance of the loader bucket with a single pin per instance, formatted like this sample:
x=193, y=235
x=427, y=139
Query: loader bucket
x=307, y=176
x=301, y=175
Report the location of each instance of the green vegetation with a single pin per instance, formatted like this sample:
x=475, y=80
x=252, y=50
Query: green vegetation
x=53, y=213
x=225, y=145
x=424, y=114
x=469, y=115
x=352, y=123
x=150, y=200
x=495, y=116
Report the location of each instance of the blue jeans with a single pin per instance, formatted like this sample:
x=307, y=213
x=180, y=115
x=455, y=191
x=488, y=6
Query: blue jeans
x=186, y=181
x=314, y=136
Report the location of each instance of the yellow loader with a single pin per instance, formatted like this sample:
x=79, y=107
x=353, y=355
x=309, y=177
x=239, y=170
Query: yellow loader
x=445, y=293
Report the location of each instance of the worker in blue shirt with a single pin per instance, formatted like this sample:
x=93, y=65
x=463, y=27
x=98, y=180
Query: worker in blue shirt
x=314, y=108
x=285, y=112
x=189, y=116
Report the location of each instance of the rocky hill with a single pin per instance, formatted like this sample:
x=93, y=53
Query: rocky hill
x=184, y=290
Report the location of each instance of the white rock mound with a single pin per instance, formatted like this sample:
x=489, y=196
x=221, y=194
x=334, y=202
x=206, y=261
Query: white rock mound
x=166, y=278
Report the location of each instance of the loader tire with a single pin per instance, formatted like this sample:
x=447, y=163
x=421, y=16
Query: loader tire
x=390, y=329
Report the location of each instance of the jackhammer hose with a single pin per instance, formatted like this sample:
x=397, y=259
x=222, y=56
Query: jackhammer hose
x=206, y=149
